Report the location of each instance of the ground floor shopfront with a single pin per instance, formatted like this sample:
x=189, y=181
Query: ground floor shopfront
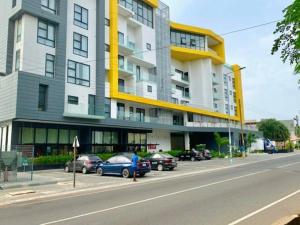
x=57, y=139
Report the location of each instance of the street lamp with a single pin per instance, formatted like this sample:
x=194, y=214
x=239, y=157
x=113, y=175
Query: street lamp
x=228, y=103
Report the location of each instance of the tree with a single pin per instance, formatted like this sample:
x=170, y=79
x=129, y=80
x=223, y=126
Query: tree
x=220, y=141
x=274, y=130
x=250, y=138
x=297, y=131
x=289, y=36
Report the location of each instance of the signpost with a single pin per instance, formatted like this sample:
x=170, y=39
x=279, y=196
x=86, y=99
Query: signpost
x=75, y=146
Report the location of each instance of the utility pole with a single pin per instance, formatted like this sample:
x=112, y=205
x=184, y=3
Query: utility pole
x=242, y=129
x=75, y=146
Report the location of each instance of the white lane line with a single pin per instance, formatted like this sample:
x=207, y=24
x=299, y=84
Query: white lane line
x=264, y=208
x=153, y=198
x=287, y=165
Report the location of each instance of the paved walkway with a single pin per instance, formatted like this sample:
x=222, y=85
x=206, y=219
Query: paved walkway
x=55, y=183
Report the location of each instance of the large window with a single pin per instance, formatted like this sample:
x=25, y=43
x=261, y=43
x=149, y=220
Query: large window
x=17, y=61
x=92, y=105
x=46, y=33
x=142, y=12
x=78, y=73
x=105, y=137
x=187, y=40
x=19, y=30
x=49, y=5
x=140, y=115
x=107, y=108
x=137, y=138
x=49, y=68
x=121, y=111
x=42, y=105
x=80, y=45
x=81, y=16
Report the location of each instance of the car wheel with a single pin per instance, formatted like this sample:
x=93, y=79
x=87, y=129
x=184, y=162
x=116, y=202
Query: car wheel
x=125, y=173
x=84, y=170
x=99, y=171
x=160, y=167
x=193, y=159
x=142, y=174
x=172, y=168
x=67, y=170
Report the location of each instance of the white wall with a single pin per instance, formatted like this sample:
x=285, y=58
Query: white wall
x=8, y=133
x=161, y=137
x=33, y=54
x=79, y=91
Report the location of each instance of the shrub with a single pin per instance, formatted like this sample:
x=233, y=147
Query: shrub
x=174, y=153
x=105, y=156
x=52, y=160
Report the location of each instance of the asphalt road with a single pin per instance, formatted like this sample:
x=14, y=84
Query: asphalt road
x=249, y=194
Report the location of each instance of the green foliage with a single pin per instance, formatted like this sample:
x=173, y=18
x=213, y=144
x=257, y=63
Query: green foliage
x=174, y=153
x=274, y=130
x=105, y=156
x=289, y=35
x=250, y=138
x=216, y=154
x=52, y=160
x=297, y=131
x=200, y=147
x=289, y=145
x=220, y=141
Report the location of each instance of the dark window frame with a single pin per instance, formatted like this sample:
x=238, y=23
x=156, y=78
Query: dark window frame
x=80, y=51
x=148, y=46
x=13, y=3
x=46, y=39
x=42, y=100
x=107, y=22
x=106, y=47
x=73, y=100
x=47, y=73
x=47, y=7
x=149, y=88
x=77, y=79
x=80, y=22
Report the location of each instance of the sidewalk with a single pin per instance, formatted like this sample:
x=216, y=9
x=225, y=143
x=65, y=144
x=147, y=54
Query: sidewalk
x=54, y=183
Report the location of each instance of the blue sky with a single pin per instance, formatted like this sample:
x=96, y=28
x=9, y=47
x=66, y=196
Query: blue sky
x=270, y=88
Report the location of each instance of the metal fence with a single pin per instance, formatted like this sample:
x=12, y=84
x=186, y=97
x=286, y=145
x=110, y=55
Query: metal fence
x=16, y=164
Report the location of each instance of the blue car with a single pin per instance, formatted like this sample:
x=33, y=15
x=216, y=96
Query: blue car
x=121, y=165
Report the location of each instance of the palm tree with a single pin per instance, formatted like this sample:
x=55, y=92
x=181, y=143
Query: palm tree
x=220, y=141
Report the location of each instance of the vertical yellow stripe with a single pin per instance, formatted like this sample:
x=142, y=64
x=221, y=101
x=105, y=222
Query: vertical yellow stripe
x=113, y=34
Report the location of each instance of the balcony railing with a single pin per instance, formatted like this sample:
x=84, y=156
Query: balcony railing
x=146, y=77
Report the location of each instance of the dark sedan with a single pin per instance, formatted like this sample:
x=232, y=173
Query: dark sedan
x=191, y=155
x=162, y=161
x=84, y=164
x=121, y=165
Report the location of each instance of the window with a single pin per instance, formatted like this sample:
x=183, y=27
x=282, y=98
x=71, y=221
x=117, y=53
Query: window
x=138, y=72
x=149, y=88
x=121, y=62
x=80, y=45
x=81, y=16
x=121, y=38
x=49, y=5
x=148, y=46
x=227, y=108
x=187, y=40
x=215, y=105
x=185, y=76
x=142, y=12
x=154, y=113
x=73, y=100
x=121, y=85
x=131, y=113
x=140, y=114
x=49, y=68
x=107, y=48
x=17, y=61
x=107, y=108
x=175, y=100
x=14, y=3
x=19, y=30
x=78, y=73
x=43, y=89
x=107, y=22
x=92, y=105
x=190, y=117
x=46, y=33
x=121, y=111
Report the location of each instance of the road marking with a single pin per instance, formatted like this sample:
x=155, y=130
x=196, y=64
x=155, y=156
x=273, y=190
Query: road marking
x=153, y=198
x=287, y=165
x=264, y=208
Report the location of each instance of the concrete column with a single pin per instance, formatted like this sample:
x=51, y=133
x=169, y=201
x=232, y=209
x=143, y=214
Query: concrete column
x=187, y=141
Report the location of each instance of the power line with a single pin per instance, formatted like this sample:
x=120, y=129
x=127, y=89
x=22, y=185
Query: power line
x=249, y=28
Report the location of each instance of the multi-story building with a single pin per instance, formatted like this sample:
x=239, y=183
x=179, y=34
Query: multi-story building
x=117, y=74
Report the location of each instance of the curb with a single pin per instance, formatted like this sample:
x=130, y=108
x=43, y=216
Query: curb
x=12, y=186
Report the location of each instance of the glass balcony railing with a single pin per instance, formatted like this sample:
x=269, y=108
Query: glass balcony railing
x=146, y=77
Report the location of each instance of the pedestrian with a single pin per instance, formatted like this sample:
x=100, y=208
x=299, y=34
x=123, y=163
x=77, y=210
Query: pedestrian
x=134, y=160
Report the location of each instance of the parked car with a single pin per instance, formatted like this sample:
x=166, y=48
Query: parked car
x=84, y=164
x=121, y=165
x=191, y=155
x=161, y=161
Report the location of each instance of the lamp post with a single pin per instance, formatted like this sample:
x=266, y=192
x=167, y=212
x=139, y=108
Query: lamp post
x=228, y=102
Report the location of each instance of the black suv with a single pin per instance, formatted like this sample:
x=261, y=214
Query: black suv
x=191, y=155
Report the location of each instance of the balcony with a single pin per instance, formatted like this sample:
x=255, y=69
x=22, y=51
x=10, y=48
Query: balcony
x=137, y=57
x=83, y=111
x=179, y=78
x=135, y=117
x=127, y=48
x=146, y=77
x=126, y=71
x=127, y=90
x=125, y=12
x=215, y=80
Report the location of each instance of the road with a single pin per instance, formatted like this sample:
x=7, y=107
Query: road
x=257, y=193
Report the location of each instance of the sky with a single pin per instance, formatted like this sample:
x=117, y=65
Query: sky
x=270, y=88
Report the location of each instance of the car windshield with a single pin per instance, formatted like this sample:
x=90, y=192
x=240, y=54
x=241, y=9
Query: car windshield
x=119, y=159
x=94, y=158
x=166, y=155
